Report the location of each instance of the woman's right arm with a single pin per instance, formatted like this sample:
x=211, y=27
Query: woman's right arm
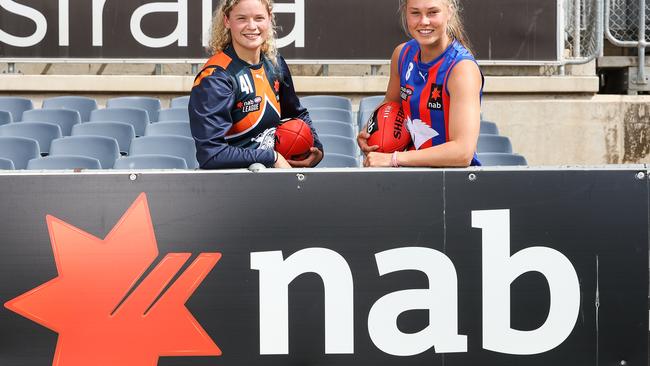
x=210, y=104
x=392, y=95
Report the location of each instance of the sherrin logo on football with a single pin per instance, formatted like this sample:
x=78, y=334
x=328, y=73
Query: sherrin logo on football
x=387, y=128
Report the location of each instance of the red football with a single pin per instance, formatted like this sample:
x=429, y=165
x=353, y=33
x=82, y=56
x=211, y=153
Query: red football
x=293, y=139
x=387, y=128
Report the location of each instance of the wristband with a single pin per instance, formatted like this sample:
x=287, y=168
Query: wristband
x=393, y=160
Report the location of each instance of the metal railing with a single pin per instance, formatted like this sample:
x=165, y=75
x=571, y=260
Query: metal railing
x=626, y=25
x=583, y=31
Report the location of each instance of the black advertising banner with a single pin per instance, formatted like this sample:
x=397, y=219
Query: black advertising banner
x=411, y=267
x=349, y=30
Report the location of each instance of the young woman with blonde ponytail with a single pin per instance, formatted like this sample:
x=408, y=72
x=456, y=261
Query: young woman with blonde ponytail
x=439, y=85
x=244, y=91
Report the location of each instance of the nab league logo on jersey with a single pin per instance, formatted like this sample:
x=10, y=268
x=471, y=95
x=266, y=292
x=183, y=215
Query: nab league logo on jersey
x=251, y=105
x=405, y=92
x=435, y=98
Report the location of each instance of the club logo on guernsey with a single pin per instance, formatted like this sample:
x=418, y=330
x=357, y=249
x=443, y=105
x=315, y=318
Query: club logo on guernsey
x=405, y=93
x=435, y=98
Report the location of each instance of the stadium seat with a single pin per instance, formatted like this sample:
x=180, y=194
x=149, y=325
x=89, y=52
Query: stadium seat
x=339, y=145
x=174, y=114
x=64, y=162
x=43, y=132
x=334, y=128
x=363, y=117
x=138, y=118
x=489, y=128
x=330, y=114
x=153, y=161
x=122, y=132
x=501, y=159
x=180, y=102
x=104, y=149
x=151, y=105
x=180, y=146
x=6, y=164
x=16, y=106
x=333, y=160
x=19, y=150
x=494, y=143
x=65, y=118
x=326, y=101
x=83, y=105
x=5, y=117
x=171, y=128
x=370, y=103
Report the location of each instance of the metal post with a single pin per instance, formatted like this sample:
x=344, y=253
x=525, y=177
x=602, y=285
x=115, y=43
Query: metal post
x=374, y=69
x=576, y=29
x=641, y=70
x=11, y=68
x=158, y=70
x=195, y=69
x=325, y=70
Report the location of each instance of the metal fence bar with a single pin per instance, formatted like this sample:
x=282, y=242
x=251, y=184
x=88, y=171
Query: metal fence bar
x=593, y=32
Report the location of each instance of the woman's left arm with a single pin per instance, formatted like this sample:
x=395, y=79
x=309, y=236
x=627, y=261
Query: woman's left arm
x=291, y=108
x=464, y=85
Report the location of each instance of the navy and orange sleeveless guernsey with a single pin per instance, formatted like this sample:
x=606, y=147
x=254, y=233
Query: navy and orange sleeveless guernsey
x=424, y=93
x=235, y=107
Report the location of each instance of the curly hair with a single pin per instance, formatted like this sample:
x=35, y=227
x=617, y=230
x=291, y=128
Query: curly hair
x=455, y=28
x=220, y=36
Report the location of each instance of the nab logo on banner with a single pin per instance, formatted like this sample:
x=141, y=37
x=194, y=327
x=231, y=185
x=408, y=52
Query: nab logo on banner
x=109, y=308
x=104, y=311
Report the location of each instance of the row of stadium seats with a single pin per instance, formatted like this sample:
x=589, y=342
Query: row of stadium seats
x=126, y=118
x=16, y=106
x=123, y=133
x=22, y=150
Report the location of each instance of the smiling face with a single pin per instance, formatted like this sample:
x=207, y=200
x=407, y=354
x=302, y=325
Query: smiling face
x=249, y=23
x=427, y=20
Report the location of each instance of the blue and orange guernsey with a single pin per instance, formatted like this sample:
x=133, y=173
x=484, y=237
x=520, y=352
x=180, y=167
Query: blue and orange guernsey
x=424, y=93
x=235, y=107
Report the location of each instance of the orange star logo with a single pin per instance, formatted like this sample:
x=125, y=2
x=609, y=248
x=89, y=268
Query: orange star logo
x=435, y=94
x=276, y=86
x=103, y=309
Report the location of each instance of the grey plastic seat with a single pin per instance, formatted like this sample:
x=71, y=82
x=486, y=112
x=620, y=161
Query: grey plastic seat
x=43, y=132
x=19, y=150
x=494, y=143
x=83, y=105
x=339, y=145
x=334, y=128
x=122, y=132
x=326, y=101
x=489, y=128
x=501, y=159
x=180, y=102
x=370, y=102
x=333, y=160
x=65, y=118
x=363, y=117
x=16, y=106
x=151, y=105
x=104, y=149
x=5, y=117
x=171, y=128
x=138, y=118
x=330, y=114
x=6, y=164
x=180, y=146
x=152, y=161
x=63, y=162
x=174, y=114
